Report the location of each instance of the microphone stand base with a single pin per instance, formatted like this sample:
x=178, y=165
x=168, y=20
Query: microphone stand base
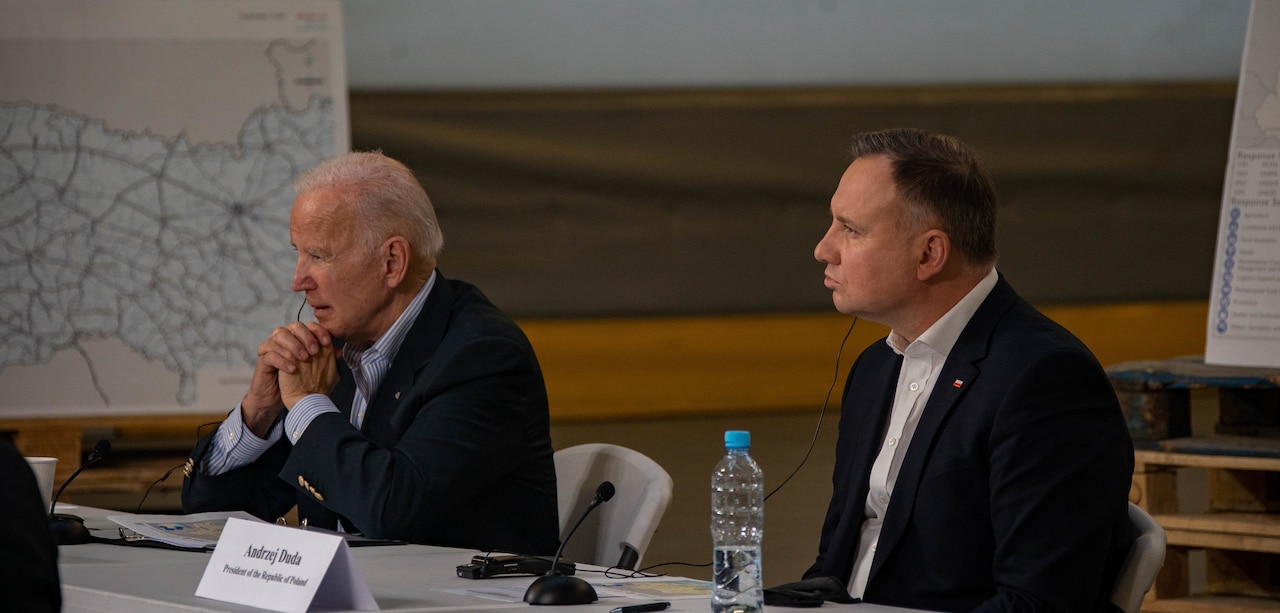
x=68, y=529
x=559, y=589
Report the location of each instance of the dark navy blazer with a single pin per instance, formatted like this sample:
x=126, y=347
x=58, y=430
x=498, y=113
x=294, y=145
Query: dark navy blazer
x=1013, y=493
x=455, y=448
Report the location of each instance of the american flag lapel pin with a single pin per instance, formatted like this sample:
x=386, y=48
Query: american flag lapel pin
x=957, y=383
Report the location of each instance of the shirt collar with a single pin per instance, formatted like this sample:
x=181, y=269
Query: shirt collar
x=943, y=334
x=389, y=343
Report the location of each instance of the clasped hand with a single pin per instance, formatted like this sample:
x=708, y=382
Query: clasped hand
x=295, y=360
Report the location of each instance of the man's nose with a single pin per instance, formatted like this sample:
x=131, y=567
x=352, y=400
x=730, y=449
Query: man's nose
x=301, y=278
x=822, y=252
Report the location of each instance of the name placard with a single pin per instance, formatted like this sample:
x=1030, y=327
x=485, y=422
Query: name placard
x=283, y=569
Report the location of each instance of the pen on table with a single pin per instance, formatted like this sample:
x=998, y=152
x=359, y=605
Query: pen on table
x=641, y=608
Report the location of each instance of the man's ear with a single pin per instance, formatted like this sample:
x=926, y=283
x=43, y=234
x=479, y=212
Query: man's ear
x=935, y=252
x=395, y=260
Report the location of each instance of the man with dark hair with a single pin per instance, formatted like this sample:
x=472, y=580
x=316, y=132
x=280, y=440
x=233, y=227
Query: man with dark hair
x=411, y=409
x=983, y=460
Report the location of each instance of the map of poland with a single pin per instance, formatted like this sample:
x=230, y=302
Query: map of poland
x=141, y=265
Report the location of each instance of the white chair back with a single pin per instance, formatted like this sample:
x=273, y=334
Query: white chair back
x=1146, y=556
x=618, y=532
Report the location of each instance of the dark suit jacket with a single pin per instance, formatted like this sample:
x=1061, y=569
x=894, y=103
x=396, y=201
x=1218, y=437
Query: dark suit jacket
x=1013, y=494
x=455, y=449
x=28, y=557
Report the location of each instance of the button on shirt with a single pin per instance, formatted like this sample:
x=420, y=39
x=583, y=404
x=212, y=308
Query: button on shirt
x=234, y=445
x=922, y=359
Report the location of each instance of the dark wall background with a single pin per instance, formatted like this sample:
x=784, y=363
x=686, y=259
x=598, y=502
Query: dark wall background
x=585, y=204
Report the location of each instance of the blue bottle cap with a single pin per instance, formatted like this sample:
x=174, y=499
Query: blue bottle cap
x=737, y=439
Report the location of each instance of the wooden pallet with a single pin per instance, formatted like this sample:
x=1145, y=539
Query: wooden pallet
x=1239, y=537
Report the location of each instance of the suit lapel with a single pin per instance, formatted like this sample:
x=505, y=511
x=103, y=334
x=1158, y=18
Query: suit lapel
x=868, y=398
x=415, y=352
x=344, y=393
x=877, y=403
x=960, y=372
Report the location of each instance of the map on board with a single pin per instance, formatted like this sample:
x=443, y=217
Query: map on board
x=1244, y=304
x=1257, y=122
x=147, y=151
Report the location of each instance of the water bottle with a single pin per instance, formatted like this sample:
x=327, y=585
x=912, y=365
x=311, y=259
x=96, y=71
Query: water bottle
x=737, y=528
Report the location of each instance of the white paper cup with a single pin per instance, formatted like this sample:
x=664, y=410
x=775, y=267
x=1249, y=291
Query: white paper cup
x=43, y=468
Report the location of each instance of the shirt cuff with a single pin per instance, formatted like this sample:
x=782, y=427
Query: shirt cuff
x=235, y=445
x=305, y=410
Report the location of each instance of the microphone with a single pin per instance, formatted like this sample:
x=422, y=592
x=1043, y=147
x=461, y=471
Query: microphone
x=554, y=588
x=69, y=529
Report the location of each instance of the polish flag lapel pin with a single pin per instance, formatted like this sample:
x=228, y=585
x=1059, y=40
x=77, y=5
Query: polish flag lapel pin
x=957, y=383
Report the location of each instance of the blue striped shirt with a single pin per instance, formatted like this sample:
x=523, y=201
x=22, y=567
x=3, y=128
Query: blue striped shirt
x=234, y=445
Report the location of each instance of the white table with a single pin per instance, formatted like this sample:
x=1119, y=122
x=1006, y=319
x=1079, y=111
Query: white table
x=101, y=578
